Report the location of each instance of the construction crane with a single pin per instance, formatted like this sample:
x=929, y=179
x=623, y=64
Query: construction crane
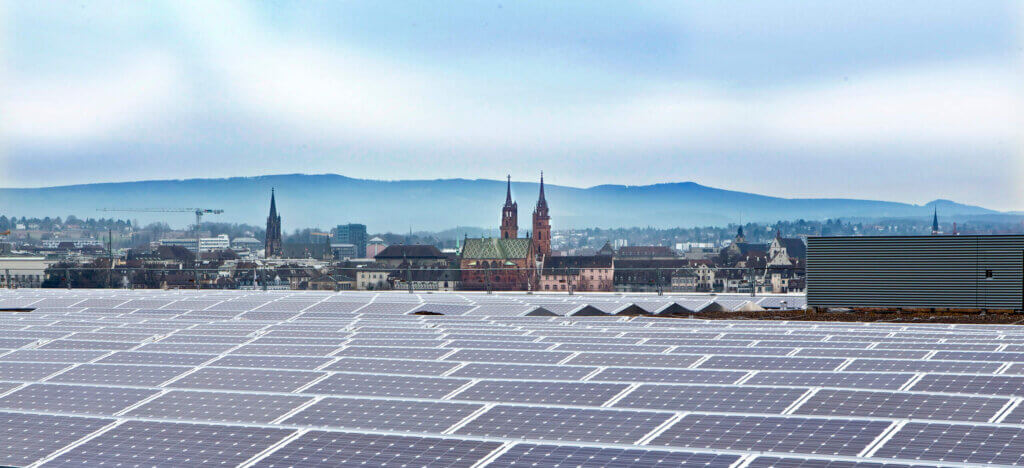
x=199, y=212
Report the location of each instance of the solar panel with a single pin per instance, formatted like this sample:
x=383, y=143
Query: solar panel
x=396, y=353
x=524, y=454
x=828, y=402
x=956, y=443
x=380, y=414
x=319, y=448
x=141, y=357
x=392, y=366
x=29, y=370
x=778, y=462
x=876, y=380
x=226, y=378
x=885, y=365
x=719, y=399
x=27, y=438
x=505, y=356
x=698, y=376
x=770, y=363
x=173, y=444
x=772, y=434
x=386, y=385
x=75, y=399
x=549, y=393
x=119, y=374
x=634, y=360
x=219, y=406
x=523, y=371
x=271, y=362
x=976, y=384
x=564, y=424
x=52, y=355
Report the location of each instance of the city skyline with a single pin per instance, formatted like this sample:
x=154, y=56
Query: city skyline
x=812, y=99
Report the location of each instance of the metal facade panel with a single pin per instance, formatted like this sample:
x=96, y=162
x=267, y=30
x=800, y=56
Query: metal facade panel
x=916, y=271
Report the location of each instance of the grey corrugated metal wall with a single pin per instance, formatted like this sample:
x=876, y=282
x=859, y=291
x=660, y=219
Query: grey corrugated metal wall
x=916, y=271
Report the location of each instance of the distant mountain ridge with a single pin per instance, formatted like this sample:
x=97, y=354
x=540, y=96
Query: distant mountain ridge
x=326, y=200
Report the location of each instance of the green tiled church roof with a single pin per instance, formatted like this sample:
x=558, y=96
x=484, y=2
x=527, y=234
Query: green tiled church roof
x=493, y=248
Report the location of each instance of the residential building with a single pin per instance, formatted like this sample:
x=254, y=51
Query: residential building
x=650, y=252
x=372, y=278
x=577, y=273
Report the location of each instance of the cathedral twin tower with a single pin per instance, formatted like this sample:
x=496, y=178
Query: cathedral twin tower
x=541, y=234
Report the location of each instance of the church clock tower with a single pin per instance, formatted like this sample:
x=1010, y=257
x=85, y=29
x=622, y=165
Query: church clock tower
x=509, y=215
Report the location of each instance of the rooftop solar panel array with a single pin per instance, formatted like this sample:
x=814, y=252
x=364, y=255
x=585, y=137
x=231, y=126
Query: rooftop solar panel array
x=281, y=378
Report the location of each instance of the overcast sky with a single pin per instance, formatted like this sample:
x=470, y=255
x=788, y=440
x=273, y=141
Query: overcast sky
x=905, y=101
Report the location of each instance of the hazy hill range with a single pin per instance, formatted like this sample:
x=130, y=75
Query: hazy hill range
x=431, y=205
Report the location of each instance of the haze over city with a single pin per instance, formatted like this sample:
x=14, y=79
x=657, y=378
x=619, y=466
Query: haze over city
x=908, y=102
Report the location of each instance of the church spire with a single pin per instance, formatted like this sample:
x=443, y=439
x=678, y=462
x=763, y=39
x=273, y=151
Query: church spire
x=273, y=204
x=508, y=191
x=935, y=220
x=542, y=203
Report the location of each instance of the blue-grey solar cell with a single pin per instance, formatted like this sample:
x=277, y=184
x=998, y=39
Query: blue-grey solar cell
x=52, y=355
x=618, y=348
x=733, y=350
x=319, y=448
x=385, y=415
x=108, y=336
x=523, y=454
x=506, y=355
x=28, y=438
x=386, y=385
x=197, y=348
x=548, y=393
x=120, y=374
x=395, y=353
x=12, y=343
x=716, y=399
x=580, y=340
x=778, y=462
x=228, y=378
x=938, y=346
x=144, y=443
x=901, y=405
x=403, y=342
x=76, y=399
x=29, y=370
x=523, y=371
x=862, y=353
x=271, y=362
x=907, y=365
x=88, y=345
x=564, y=424
x=976, y=384
x=497, y=343
x=876, y=380
x=956, y=443
x=219, y=406
x=392, y=366
x=634, y=360
x=142, y=357
x=979, y=356
x=770, y=363
x=772, y=434
x=285, y=350
x=310, y=333
x=698, y=376
x=206, y=339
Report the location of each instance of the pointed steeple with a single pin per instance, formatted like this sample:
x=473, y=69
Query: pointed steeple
x=542, y=203
x=273, y=204
x=508, y=191
x=935, y=220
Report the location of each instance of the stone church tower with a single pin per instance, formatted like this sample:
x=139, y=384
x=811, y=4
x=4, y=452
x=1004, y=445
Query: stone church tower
x=509, y=215
x=273, y=242
x=542, y=225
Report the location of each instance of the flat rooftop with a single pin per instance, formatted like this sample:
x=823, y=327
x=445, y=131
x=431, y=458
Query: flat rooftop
x=287, y=378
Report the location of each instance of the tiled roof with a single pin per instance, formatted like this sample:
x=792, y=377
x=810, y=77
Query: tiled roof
x=493, y=248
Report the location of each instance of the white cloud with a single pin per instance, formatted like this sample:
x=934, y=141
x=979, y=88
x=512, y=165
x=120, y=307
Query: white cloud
x=104, y=104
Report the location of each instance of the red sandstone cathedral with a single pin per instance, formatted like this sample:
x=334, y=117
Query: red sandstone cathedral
x=508, y=262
